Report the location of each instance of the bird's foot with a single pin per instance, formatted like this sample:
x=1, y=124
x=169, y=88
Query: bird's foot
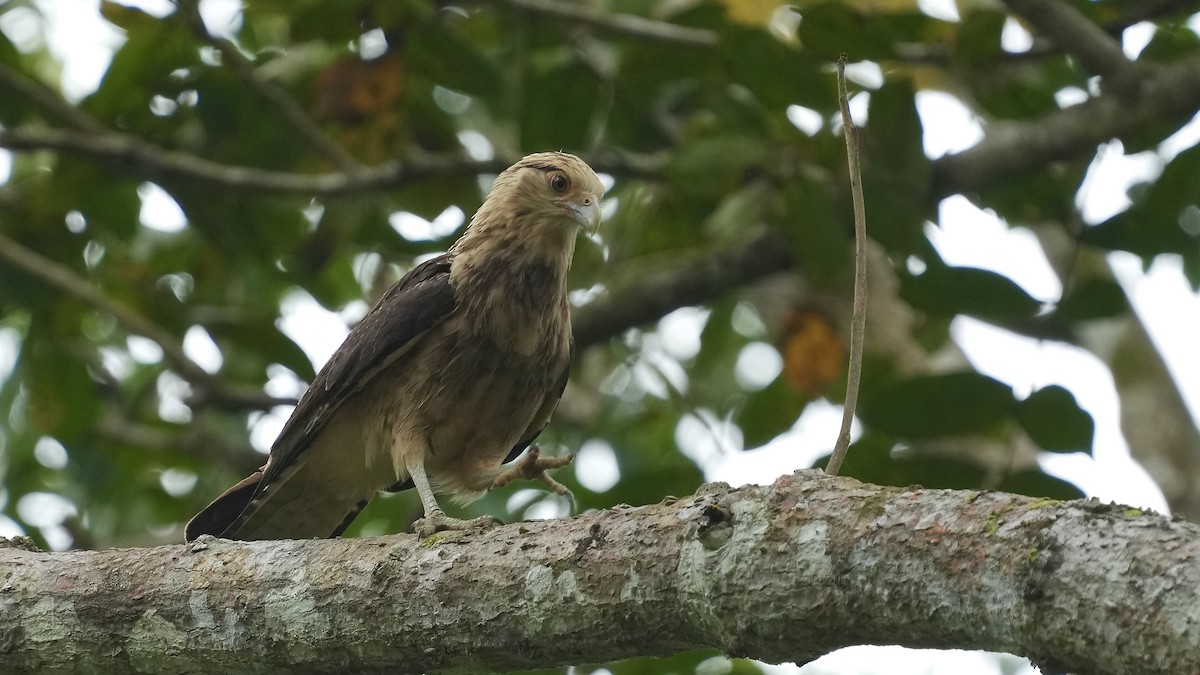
x=534, y=467
x=438, y=521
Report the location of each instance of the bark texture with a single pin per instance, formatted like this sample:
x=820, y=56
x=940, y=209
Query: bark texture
x=786, y=572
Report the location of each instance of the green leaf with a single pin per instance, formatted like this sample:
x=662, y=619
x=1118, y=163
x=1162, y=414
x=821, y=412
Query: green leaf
x=966, y=290
x=818, y=233
x=978, y=39
x=715, y=164
x=938, y=405
x=1093, y=299
x=777, y=73
x=896, y=173
x=1054, y=420
x=834, y=28
x=1038, y=484
x=871, y=459
x=558, y=108
x=769, y=412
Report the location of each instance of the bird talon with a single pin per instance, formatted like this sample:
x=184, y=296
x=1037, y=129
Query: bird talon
x=534, y=467
x=440, y=522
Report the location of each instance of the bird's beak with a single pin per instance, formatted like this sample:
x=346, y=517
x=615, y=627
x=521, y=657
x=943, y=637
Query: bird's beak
x=586, y=214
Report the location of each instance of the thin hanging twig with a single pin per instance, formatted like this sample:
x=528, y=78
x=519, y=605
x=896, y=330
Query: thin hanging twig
x=858, y=322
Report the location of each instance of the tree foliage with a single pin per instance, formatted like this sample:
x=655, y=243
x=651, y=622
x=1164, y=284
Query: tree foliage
x=293, y=145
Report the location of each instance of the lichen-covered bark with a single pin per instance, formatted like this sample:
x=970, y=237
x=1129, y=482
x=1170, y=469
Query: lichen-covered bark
x=780, y=573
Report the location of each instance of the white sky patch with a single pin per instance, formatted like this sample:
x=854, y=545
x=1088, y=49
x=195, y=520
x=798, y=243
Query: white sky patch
x=1014, y=39
x=946, y=10
x=860, y=103
x=415, y=228
x=10, y=341
x=1171, y=312
x=177, y=482
x=160, y=211
x=807, y=120
x=704, y=438
x=1069, y=96
x=865, y=73
x=1187, y=136
x=596, y=466
x=372, y=44
x=222, y=17
x=477, y=145
x=143, y=350
x=172, y=390
x=117, y=362
x=318, y=331
x=6, y=163
x=949, y=125
x=1136, y=37
x=1027, y=364
x=50, y=453
x=265, y=427
x=84, y=60
x=282, y=382
x=680, y=332
x=809, y=439
x=758, y=364
x=1104, y=191
x=893, y=660
x=199, y=347
x=967, y=236
x=44, y=509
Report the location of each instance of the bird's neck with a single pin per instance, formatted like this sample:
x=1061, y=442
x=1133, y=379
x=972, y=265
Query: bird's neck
x=515, y=296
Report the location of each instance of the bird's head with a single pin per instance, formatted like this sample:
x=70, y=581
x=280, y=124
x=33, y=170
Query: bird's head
x=559, y=187
x=547, y=190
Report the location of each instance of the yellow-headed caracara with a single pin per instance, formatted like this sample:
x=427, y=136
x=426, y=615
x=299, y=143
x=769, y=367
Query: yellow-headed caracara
x=453, y=373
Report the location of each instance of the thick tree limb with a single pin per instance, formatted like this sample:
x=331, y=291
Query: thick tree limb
x=1172, y=92
x=1099, y=52
x=781, y=573
x=153, y=162
x=648, y=295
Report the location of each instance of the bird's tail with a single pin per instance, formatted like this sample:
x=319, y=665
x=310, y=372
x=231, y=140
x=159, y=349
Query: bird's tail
x=216, y=518
x=283, y=509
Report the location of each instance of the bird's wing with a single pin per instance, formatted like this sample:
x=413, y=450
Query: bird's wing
x=415, y=304
x=542, y=418
x=422, y=299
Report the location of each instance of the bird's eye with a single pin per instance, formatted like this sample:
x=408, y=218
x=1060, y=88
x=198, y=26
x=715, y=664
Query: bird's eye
x=560, y=183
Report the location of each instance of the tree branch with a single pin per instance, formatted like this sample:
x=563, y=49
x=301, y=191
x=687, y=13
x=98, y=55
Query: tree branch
x=50, y=103
x=781, y=573
x=61, y=278
x=280, y=100
x=1098, y=51
x=127, y=152
x=644, y=296
x=1170, y=92
x=623, y=24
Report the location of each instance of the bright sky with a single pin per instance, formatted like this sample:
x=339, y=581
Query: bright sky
x=964, y=235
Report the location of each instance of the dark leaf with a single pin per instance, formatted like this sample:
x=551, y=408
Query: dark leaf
x=966, y=290
x=1055, y=421
x=938, y=405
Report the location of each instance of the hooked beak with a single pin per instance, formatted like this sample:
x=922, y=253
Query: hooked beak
x=587, y=214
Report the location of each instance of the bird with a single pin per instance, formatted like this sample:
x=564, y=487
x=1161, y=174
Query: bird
x=445, y=383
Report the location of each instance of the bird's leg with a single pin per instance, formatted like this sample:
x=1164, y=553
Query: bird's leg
x=435, y=519
x=533, y=467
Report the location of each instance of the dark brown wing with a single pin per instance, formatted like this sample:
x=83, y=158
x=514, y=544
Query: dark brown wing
x=422, y=299
x=542, y=418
